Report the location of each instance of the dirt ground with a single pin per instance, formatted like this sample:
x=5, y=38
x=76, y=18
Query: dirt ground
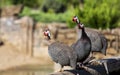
x=11, y=58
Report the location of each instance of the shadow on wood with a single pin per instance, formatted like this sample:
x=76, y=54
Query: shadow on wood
x=113, y=65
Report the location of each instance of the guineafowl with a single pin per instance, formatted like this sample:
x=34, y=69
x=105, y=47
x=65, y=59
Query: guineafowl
x=61, y=53
x=83, y=45
x=98, y=40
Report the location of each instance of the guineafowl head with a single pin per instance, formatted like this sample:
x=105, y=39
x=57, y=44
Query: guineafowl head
x=75, y=19
x=47, y=33
x=80, y=25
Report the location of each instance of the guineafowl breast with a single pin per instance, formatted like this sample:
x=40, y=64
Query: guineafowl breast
x=62, y=54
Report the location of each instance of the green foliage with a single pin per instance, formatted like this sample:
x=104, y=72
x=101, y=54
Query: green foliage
x=45, y=17
x=94, y=13
x=54, y=5
x=100, y=13
x=70, y=13
x=5, y=2
x=29, y=3
x=58, y=6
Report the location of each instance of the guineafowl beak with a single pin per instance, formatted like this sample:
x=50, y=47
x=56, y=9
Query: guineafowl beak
x=75, y=19
x=48, y=36
x=47, y=33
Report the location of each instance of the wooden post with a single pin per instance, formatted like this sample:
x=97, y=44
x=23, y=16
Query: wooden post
x=0, y=22
x=31, y=52
x=30, y=37
x=27, y=39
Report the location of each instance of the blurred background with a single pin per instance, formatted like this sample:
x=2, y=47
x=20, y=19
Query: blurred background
x=23, y=48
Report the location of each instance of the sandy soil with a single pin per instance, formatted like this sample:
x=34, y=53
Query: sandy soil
x=11, y=58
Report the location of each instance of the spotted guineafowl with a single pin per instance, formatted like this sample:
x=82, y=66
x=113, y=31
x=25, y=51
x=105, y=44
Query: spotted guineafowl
x=83, y=45
x=98, y=40
x=61, y=53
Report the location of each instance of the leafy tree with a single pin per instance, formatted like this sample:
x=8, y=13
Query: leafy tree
x=100, y=13
x=54, y=5
x=58, y=6
x=29, y=3
x=5, y=2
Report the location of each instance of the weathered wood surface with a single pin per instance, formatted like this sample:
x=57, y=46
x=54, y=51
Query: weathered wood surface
x=113, y=65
